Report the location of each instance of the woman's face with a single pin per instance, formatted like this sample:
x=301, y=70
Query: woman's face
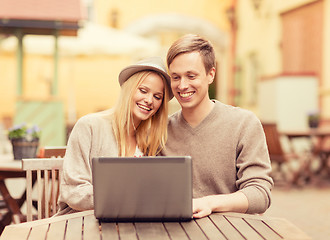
x=147, y=98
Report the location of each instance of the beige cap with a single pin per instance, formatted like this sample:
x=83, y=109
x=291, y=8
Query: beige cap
x=155, y=64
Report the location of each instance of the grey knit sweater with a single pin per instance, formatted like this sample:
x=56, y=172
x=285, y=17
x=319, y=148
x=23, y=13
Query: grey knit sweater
x=229, y=153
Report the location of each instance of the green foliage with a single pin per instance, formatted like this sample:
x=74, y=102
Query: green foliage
x=24, y=131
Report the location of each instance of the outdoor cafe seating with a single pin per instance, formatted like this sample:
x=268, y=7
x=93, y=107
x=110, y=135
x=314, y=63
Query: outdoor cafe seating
x=12, y=169
x=293, y=167
x=48, y=184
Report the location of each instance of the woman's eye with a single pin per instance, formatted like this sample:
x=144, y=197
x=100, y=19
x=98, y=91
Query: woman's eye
x=158, y=97
x=143, y=90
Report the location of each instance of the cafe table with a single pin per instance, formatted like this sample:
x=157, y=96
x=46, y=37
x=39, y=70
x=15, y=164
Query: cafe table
x=10, y=169
x=84, y=226
x=317, y=137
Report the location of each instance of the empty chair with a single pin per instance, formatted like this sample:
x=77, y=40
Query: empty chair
x=48, y=172
x=288, y=166
x=52, y=151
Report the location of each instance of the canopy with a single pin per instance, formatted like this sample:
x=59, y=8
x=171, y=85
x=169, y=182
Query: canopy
x=91, y=39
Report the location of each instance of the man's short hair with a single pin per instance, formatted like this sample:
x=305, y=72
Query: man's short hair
x=193, y=43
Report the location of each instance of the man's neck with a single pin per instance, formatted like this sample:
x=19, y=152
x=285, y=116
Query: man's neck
x=194, y=116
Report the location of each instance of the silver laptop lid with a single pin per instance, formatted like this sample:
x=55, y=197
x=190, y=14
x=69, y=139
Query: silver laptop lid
x=142, y=189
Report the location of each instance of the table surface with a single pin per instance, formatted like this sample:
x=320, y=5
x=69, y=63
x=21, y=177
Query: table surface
x=83, y=225
x=10, y=168
x=319, y=132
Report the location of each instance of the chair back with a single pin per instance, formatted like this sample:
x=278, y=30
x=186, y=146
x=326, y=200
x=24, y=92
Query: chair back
x=48, y=172
x=275, y=149
x=52, y=151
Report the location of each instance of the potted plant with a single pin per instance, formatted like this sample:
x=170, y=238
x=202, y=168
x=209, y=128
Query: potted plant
x=313, y=119
x=25, y=140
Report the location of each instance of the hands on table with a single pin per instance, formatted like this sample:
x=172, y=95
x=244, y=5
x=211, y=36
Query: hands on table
x=233, y=202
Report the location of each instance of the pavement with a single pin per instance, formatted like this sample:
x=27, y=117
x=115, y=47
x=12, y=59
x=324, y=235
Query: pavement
x=306, y=207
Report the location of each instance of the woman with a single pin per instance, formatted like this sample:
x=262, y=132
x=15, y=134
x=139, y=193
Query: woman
x=136, y=126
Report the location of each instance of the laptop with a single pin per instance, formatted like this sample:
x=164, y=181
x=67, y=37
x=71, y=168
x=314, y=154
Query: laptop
x=142, y=189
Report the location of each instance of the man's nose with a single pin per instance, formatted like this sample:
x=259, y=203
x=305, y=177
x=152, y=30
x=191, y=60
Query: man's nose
x=183, y=84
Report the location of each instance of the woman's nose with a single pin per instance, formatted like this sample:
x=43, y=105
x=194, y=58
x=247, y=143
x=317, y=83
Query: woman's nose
x=148, y=99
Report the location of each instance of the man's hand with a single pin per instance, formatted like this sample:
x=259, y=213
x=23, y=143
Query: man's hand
x=233, y=202
x=201, y=207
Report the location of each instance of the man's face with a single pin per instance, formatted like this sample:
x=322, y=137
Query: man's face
x=189, y=80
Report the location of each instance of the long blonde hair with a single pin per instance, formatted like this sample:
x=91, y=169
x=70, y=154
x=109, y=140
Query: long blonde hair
x=151, y=134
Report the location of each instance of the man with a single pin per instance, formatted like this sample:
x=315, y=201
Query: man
x=227, y=144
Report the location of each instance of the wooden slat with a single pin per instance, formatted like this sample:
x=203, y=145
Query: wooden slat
x=40, y=191
x=225, y=227
x=244, y=228
x=38, y=232
x=286, y=229
x=127, y=231
x=29, y=195
x=56, y=231
x=151, y=230
x=46, y=190
x=12, y=233
x=262, y=229
x=74, y=229
x=109, y=231
x=175, y=230
x=41, y=163
x=91, y=228
x=53, y=191
x=209, y=229
x=193, y=230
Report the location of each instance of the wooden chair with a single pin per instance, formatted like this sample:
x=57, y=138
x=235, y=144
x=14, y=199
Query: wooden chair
x=52, y=151
x=48, y=171
x=288, y=166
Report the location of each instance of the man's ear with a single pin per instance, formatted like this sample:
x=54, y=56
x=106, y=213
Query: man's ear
x=211, y=75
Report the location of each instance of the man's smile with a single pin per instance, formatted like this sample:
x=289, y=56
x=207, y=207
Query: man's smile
x=186, y=94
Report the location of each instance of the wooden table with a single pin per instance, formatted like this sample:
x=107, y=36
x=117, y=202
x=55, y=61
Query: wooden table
x=10, y=168
x=83, y=225
x=318, y=137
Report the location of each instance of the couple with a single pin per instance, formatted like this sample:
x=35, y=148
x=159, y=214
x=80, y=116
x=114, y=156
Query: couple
x=231, y=164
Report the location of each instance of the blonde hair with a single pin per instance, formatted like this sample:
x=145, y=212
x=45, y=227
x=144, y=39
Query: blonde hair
x=151, y=134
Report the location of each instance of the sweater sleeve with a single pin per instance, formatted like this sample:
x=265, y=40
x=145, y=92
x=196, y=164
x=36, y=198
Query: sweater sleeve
x=253, y=165
x=76, y=185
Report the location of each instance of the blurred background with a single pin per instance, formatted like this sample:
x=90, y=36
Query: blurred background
x=60, y=60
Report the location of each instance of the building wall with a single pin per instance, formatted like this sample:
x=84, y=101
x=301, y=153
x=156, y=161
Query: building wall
x=302, y=47
x=260, y=41
x=131, y=10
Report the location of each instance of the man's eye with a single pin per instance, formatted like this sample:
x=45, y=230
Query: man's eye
x=191, y=76
x=175, y=78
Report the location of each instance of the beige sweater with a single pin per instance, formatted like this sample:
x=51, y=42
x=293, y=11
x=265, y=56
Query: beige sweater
x=92, y=136
x=229, y=153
